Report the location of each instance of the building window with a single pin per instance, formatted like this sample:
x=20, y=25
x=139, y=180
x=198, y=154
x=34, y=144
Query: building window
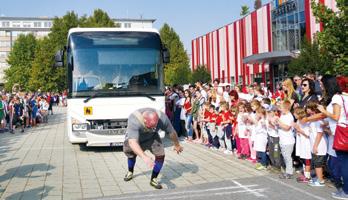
x=5, y=24
x=5, y=44
x=127, y=25
x=240, y=80
x=232, y=80
x=47, y=24
x=16, y=24
x=3, y=54
x=37, y=24
x=26, y=25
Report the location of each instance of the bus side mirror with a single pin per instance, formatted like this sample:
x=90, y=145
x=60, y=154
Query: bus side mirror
x=166, y=56
x=59, y=58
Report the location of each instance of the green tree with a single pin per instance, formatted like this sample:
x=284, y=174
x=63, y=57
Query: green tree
x=311, y=59
x=334, y=38
x=245, y=10
x=257, y=4
x=177, y=71
x=20, y=60
x=201, y=74
x=98, y=19
x=43, y=74
x=60, y=29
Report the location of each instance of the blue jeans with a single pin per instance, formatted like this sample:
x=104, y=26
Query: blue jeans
x=343, y=159
x=188, y=125
x=262, y=158
x=335, y=170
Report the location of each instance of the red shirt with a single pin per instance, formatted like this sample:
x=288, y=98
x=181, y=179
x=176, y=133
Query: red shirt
x=219, y=119
x=187, y=106
x=227, y=115
x=207, y=115
x=213, y=117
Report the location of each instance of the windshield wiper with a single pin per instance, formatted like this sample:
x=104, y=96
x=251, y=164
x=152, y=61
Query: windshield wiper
x=148, y=96
x=92, y=96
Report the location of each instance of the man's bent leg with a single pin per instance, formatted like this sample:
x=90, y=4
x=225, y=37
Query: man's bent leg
x=131, y=160
x=157, y=149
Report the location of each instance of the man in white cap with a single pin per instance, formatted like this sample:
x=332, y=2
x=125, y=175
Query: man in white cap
x=142, y=134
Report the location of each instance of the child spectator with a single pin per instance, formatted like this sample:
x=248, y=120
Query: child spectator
x=303, y=146
x=234, y=138
x=242, y=131
x=220, y=127
x=260, y=138
x=207, y=140
x=18, y=115
x=255, y=104
x=227, y=127
x=318, y=145
x=286, y=138
x=212, y=127
x=188, y=108
x=273, y=140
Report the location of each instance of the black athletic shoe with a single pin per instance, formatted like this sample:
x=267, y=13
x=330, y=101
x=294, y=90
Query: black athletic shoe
x=128, y=177
x=11, y=131
x=154, y=183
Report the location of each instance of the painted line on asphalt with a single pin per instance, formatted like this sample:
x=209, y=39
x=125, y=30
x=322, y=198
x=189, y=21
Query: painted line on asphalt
x=187, y=191
x=210, y=194
x=248, y=189
x=295, y=188
x=270, y=178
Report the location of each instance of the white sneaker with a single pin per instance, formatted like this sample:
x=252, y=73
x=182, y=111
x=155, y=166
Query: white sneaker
x=228, y=152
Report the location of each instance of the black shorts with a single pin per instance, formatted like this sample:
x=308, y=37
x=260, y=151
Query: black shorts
x=17, y=120
x=155, y=146
x=318, y=161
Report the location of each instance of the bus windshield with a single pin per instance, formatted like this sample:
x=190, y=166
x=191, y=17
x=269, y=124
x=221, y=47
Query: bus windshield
x=115, y=63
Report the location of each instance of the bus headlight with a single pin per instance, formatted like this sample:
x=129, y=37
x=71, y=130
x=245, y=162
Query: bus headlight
x=80, y=127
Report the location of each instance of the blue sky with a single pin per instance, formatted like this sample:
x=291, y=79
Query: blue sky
x=189, y=18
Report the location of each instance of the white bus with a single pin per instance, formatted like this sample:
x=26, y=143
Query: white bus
x=111, y=72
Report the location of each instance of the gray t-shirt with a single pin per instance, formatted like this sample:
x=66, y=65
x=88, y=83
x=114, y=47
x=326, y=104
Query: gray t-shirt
x=137, y=130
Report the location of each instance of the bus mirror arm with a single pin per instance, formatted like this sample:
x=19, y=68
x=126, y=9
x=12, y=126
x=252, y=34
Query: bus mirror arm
x=165, y=55
x=59, y=58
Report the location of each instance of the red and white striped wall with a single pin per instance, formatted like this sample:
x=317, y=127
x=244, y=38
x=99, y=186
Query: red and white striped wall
x=312, y=27
x=222, y=50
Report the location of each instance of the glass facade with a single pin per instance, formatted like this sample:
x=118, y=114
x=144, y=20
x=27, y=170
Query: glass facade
x=288, y=25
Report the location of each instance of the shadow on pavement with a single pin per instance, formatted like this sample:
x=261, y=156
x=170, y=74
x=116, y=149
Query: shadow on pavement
x=36, y=193
x=180, y=169
x=25, y=171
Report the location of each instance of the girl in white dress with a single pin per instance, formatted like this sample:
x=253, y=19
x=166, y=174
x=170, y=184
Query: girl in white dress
x=303, y=145
x=260, y=139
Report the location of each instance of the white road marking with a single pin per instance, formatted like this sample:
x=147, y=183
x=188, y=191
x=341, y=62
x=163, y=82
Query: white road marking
x=248, y=189
x=190, y=192
x=295, y=188
x=189, y=196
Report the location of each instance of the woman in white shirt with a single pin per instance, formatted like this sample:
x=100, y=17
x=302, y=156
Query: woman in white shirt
x=336, y=100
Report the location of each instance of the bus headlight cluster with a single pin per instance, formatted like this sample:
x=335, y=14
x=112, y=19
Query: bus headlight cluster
x=80, y=127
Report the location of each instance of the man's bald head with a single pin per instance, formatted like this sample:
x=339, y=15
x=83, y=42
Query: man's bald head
x=150, y=119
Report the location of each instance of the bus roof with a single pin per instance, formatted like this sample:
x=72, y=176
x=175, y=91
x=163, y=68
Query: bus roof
x=79, y=30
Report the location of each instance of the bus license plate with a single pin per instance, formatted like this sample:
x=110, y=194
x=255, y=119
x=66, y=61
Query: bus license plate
x=116, y=144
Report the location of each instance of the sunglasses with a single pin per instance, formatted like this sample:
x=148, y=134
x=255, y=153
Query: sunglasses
x=304, y=85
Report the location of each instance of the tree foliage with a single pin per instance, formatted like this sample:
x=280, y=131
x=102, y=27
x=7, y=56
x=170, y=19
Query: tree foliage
x=98, y=19
x=20, y=59
x=311, y=59
x=177, y=71
x=257, y=4
x=31, y=61
x=201, y=74
x=244, y=11
x=333, y=40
